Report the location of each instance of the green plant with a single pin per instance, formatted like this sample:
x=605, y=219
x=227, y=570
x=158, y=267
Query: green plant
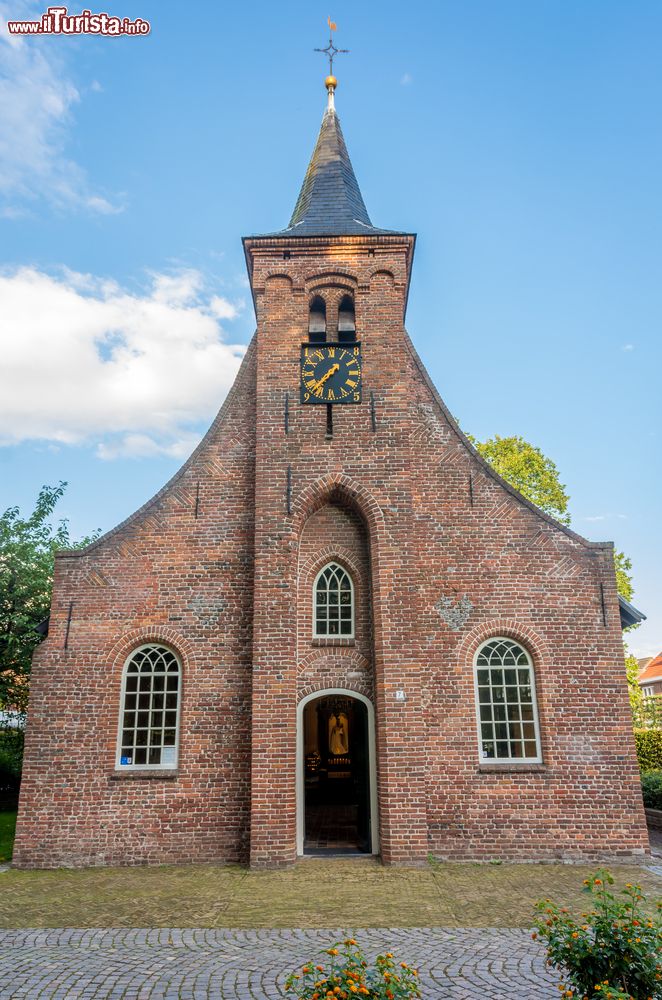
x=649, y=748
x=11, y=760
x=612, y=951
x=349, y=975
x=651, y=787
x=7, y=829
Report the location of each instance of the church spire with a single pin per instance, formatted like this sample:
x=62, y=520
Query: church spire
x=330, y=202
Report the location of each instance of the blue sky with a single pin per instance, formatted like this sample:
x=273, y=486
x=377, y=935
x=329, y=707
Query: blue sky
x=521, y=142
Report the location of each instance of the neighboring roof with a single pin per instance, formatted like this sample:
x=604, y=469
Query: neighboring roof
x=330, y=202
x=653, y=672
x=629, y=614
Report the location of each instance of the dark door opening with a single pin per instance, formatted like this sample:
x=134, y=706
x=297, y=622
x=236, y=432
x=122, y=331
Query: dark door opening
x=336, y=776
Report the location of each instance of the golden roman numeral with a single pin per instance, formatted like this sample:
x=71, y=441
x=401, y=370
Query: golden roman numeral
x=331, y=352
x=331, y=394
x=350, y=382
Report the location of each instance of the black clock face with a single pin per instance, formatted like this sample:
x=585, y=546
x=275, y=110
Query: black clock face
x=331, y=373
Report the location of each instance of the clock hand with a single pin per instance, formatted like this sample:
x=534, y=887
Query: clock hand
x=332, y=370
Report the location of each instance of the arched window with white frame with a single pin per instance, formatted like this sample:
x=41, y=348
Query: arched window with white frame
x=508, y=728
x=149, y=710
x=333, y=603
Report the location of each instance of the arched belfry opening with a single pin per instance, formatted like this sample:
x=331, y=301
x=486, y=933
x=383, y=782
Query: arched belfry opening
x=317, y=320
x=346, y=320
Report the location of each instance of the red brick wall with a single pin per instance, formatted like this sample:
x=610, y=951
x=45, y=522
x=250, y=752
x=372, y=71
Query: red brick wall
x=418, y=517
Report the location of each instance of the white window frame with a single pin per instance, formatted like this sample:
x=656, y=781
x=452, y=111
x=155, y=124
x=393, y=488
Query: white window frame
x=119, y=766
x=507, y=761
x=345, y=635
x=648, y=692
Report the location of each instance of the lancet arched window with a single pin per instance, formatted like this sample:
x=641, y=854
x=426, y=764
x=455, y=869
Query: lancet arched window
x=333, y=603
x=317, y=321
x=149, y=712
x=508, y=727
x=346, y=320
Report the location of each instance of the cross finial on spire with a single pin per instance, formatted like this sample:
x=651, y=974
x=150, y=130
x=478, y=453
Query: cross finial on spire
x=331, y=52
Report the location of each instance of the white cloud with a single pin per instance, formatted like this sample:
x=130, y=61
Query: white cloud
x=86, y=361
x=627, y=347
x=143, y=446
x=406, y=79
x=36, y=102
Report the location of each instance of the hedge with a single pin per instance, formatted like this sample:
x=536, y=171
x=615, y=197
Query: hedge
x=651, y=787
x=11, y=759
x=649, y=749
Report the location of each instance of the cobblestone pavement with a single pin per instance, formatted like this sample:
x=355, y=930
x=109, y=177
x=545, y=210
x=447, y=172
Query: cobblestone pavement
x=462, y=964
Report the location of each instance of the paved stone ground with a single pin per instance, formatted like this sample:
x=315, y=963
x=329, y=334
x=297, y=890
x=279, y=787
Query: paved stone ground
x=454, y=964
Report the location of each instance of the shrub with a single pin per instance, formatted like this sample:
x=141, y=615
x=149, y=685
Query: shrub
x=612, y=952
x=649, y=748
x=349, y=975
x=651, y=787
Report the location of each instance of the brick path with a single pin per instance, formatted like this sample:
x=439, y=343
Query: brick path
x=469, y=964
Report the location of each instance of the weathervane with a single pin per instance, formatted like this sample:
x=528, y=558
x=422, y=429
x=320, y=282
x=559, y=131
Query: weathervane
x=331, y=51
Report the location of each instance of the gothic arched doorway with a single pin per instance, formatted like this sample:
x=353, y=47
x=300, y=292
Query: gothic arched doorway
x=336, y=774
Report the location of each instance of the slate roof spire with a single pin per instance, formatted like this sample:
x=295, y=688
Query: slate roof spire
x=330, y=202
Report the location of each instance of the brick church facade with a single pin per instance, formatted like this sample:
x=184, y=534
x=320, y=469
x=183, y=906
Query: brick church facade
x=336, y=628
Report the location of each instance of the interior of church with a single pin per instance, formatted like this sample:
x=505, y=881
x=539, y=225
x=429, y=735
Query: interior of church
x=336, y=777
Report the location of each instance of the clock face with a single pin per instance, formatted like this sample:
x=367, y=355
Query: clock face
x=331, y=373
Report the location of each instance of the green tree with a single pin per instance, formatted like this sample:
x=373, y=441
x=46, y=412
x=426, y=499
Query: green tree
x=530, y=471
x=634, y=690
x=27, y=550
x=623, y=566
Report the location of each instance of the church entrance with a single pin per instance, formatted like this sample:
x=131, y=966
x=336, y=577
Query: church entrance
x=337, y=779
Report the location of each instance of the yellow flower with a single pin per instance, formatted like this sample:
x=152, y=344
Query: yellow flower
x=332, y=951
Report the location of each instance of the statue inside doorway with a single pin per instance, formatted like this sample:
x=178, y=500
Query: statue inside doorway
x=338, y=734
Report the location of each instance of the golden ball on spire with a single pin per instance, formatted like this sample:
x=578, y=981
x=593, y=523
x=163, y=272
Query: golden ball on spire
x=330, y=83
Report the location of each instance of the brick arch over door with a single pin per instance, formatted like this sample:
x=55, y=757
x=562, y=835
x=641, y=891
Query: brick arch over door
x=325, y=668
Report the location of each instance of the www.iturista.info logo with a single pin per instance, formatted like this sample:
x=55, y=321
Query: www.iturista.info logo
x=58, y=21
